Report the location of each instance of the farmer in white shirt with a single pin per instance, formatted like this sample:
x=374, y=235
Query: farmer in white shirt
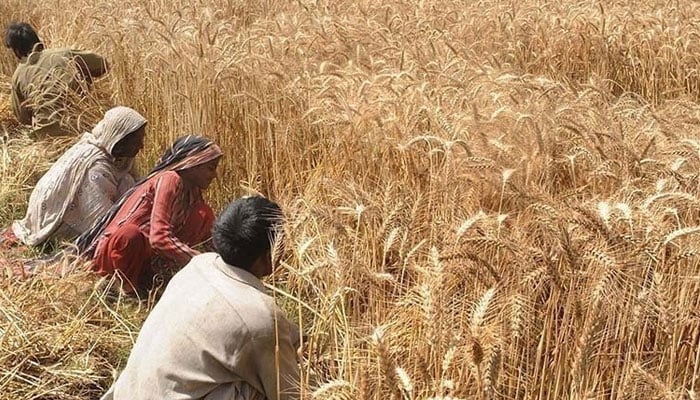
x=216, y=334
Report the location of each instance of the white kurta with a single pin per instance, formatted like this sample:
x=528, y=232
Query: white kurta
x=216, y=335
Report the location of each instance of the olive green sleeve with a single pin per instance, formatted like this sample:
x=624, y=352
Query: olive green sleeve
x=21, y=111
x=91, y=65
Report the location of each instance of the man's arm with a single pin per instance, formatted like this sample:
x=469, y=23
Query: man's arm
x=277, y=364
x=21, y=111
x=90, y=65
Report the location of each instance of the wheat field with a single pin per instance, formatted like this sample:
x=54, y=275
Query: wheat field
x=485, y=199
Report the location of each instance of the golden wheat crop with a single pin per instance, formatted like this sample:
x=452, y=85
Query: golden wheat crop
x=485, y=200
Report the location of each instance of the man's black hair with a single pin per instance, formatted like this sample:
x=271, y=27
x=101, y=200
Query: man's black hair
x=21, y=38
x=245, y=230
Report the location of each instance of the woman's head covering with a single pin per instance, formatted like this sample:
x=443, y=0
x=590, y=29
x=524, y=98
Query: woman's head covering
x=117, y=124
x=57, y=189
x=187, y=152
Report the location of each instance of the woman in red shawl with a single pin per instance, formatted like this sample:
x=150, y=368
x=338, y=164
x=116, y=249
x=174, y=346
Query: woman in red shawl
x=162, y=217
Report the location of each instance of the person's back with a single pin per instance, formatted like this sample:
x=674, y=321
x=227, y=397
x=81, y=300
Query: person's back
x=212, y=330
x=85, y=181
x=46, y=78
x=216, y=334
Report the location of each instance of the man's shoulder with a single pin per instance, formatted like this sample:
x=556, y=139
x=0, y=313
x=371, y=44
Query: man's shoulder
x=203, y=284
x=227, y=278
x=50, y=55
x=20, y=74
x=203, y=258
x=202, y=290
x=238, y=289
x=57, y=50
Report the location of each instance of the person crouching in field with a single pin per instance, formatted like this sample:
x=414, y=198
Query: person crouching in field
x=45, y=78
x=160, y=219
x=84, y=183
x=215, y=333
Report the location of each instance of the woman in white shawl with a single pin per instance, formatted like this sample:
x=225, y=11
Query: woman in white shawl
x=84, y=183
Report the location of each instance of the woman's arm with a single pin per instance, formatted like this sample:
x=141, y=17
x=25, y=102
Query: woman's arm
x=165, y=202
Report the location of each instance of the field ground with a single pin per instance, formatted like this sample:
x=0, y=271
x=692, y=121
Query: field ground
x=485, y=200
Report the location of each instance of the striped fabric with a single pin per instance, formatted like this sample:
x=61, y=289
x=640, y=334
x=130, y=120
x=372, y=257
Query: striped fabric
x=159, y=207
x=186, y=152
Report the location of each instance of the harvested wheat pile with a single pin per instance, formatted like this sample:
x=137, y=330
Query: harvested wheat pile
x=8, y=123
x=60, y=339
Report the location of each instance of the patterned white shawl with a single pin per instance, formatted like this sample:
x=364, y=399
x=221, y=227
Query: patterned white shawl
x=57, y=189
